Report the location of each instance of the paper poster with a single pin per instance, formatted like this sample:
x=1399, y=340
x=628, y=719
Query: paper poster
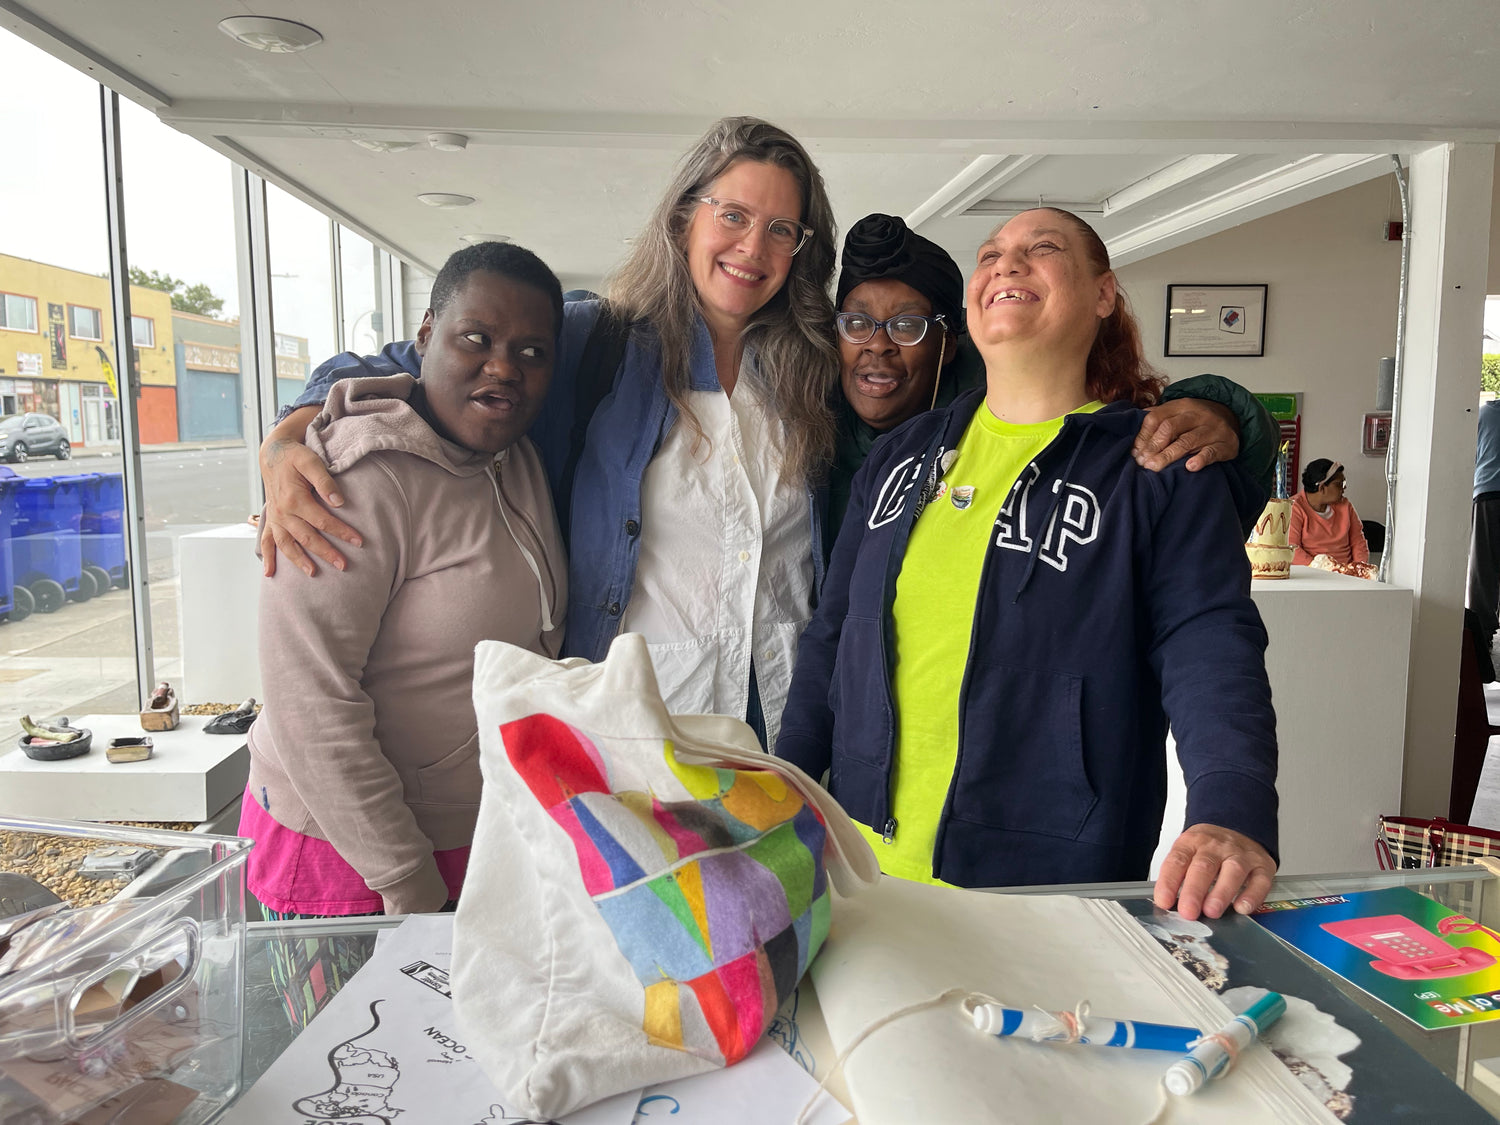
x=385, y=1050
x=764, y=1088
x=1431, y=964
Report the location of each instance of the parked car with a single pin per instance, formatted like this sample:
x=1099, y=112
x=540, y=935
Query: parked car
x=25, y=435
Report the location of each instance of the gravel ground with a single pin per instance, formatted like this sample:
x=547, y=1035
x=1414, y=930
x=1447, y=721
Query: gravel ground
x=53, y=862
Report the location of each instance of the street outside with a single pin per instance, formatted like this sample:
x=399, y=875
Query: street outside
x=81, y=659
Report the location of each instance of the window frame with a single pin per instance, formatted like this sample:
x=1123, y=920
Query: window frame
x=98, y=322
x=137, y=318
x=36, y=322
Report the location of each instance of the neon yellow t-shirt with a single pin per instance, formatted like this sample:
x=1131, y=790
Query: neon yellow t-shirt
x=934, y=615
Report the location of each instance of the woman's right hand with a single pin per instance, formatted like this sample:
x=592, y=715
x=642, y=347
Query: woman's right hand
x=298, y=485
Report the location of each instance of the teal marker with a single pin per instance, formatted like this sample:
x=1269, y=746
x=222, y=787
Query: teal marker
x=1214, y=1054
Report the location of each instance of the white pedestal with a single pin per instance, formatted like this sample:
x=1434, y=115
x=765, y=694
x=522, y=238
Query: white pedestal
x=192, y=776
x=218, y=616
x=1337, y=664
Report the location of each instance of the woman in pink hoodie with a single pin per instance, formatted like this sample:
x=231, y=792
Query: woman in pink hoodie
x=1323, y=521
x=364, y=777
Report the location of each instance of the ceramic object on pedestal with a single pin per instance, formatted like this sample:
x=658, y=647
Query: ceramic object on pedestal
x=1269, y=549
x=161, y=711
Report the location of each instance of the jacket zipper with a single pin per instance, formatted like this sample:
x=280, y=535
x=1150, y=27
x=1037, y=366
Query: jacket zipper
x=889, y=826
x=963, y=688
x=548, y=622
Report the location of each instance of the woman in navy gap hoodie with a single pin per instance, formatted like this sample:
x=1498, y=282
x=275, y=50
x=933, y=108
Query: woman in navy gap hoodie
x=1015, y=610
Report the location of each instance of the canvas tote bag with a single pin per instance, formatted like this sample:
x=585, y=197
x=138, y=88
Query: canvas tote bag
x=644, y=889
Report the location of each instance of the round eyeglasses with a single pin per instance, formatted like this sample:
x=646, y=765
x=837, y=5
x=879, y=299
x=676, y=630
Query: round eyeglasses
x=907, y=329
x=785, y=236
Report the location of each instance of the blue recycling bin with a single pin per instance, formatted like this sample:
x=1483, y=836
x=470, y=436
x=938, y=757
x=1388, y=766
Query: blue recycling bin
x=9, y=483
x=102, y=531
x=46, y=554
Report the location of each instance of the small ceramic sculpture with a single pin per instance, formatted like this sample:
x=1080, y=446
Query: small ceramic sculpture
x=129, y=749
x=161, y=711
x=233, y=722
x=53, y=742
x=1269, y=549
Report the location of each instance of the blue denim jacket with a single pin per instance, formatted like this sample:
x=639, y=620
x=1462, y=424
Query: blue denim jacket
x=626, y=431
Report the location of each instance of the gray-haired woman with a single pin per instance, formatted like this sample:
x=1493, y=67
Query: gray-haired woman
x=685, y=476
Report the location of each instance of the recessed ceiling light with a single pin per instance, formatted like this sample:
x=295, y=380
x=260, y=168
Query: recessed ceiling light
x=384, y=146
x=266, y=33
x=445, y=199
x=448, y=142
x=476, y=239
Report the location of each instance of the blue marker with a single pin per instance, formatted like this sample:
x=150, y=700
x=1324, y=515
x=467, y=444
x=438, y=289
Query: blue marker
x=1212, y=1057
x=1054, y=1027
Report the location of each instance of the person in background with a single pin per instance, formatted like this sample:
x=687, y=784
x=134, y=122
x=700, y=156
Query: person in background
x=364, y=765
x=904, y=348
x=1016, y=608
x=1484, y=540
x=1323, y=521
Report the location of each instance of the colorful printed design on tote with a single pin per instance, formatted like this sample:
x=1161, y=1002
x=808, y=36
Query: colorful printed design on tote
x=712, y=889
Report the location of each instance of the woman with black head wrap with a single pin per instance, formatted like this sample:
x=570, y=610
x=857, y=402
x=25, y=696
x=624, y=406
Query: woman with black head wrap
x=904, y=349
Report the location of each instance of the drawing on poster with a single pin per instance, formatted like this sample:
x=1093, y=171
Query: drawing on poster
x=363, y=1079
x=498, y=1116
x=785, y=1033
x=648, y=1106
x=433, y=977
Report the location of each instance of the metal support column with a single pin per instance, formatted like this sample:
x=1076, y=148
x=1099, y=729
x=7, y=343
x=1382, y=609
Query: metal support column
x=128, y=382
x=336, y=271
x=257, y=333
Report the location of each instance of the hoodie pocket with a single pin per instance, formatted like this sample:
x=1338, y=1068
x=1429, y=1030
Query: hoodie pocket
x=1021, y=766
x=453, y=779
x=856, y=693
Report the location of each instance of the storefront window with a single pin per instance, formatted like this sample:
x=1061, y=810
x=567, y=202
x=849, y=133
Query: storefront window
x=66, y=623
x=364, y=331
x=195, y=463
x=302, y=306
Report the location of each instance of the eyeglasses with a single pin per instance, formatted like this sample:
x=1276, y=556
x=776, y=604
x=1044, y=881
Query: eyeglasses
x=907, y=329
x=786, y=236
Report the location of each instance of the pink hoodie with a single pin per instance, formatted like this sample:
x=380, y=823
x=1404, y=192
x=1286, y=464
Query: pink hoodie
x=1339, y=534
x=368, y=739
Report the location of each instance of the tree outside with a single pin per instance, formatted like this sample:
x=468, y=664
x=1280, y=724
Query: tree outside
x=1489, y=378
x=186, y=298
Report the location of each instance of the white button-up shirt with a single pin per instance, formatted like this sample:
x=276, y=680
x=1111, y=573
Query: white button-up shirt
x=725, y=575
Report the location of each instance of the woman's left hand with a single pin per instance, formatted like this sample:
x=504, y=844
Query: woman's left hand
x=1208, y=868
x=1181, y=426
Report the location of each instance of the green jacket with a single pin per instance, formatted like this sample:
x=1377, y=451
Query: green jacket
x=1258, y=430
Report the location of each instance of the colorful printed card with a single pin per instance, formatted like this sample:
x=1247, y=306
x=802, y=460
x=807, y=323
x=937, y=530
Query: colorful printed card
x=1430, y=963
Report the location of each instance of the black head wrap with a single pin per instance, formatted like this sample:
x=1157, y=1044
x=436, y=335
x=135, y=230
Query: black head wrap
x=881, y=246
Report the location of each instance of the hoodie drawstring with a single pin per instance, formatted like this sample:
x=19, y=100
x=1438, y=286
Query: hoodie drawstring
x=547, y=623
x=1046, y=524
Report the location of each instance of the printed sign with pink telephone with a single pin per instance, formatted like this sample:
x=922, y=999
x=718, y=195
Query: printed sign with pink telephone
x=1428, y=962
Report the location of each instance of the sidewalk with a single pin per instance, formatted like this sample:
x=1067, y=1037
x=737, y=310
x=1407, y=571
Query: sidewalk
x=81, y=451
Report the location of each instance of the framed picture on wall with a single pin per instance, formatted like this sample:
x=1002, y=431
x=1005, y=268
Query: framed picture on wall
x=1214, y=320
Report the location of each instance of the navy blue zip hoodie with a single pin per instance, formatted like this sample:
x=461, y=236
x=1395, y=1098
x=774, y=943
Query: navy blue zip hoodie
x=1112, y=599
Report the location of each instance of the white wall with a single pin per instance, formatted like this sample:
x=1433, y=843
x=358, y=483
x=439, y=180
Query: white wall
x=1330, y=316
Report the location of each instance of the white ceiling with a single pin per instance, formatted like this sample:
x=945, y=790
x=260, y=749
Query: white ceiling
x=1165, y=120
